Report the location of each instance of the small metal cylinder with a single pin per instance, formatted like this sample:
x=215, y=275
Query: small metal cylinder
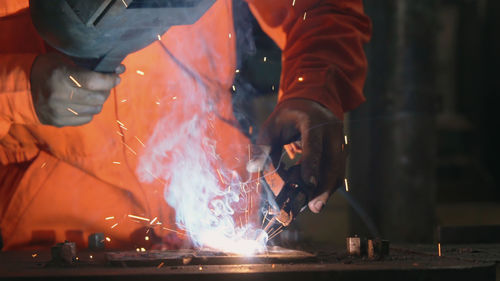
x=353, y=246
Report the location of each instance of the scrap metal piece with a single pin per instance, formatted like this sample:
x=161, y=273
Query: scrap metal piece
x=64, y=253
x=353, y=246
x=96, y=241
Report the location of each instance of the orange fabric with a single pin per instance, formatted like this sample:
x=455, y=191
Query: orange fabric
x=78, y=176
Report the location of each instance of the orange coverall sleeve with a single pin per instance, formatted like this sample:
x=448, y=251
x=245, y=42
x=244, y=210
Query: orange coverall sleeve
x=20, y=45
x=322, y=43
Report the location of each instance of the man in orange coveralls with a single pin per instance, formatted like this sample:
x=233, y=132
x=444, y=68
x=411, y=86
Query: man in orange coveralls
x=69, y=152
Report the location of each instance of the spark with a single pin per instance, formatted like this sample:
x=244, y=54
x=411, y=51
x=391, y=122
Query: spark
x=293, y=3
x=137, y=249
x=138, y=217
x=275, y=234
x=220, y=177
x=75, y=81
x=123, y=100
x=230, y=35
x=265, y=59
x=234, y=88
x=120, y=134
x=43, y=164
x=140, y=72
x=174, y=231
x=275, y=231
x=159, y=37
x=110, y=218
x=34, y=255
x=146, y=238
x=439, y=249
x=346, y=185
x=143, y=249
x=72, y=111
x=263, y=220
x=272, y=87
x=153, y=221
x=77, y=258
x=108, y=239
x=71, y=95
x=157, y=102
x=174, y=98
x=300, y=79
x=139, y=141
x=160, y=265
x=116, y=163
x=345, y=139
x=91, y=256
x=124, y=3
x=237, y=71
x=129, y=148
x=121, y=125
x=250, y=130
x=305, y=13
x=200, y=268
x=114, y=225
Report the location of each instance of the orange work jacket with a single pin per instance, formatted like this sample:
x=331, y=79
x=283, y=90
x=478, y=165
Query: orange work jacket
x=61, y=184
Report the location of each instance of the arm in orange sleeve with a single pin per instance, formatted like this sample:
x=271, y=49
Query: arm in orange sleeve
x=322, y=43
x=20, y=46
x=15, y=94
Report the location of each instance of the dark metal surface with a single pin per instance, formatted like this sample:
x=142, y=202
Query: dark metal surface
x=404, y=263
x=469, y=234
x=99, y=34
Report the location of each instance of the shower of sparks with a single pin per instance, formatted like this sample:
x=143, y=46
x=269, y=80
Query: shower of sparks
x=346, y=185
x=75, y=81
x=305, y=14
x=124, y=3
x=72, y=111
x=116, y=163
x=140, y=141
x=138, y=218
x=110, y=218
x=114, y=225
x=140, y=72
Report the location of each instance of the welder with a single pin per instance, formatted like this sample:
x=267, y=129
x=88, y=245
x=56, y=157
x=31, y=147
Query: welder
x=70, y=137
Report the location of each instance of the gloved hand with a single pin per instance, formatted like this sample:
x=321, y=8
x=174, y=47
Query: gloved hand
x=322, y=140
x=65, y=94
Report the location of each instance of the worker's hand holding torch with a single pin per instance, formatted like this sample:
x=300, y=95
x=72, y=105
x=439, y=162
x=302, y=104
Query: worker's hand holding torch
x=322, y=165
x=68, y=95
